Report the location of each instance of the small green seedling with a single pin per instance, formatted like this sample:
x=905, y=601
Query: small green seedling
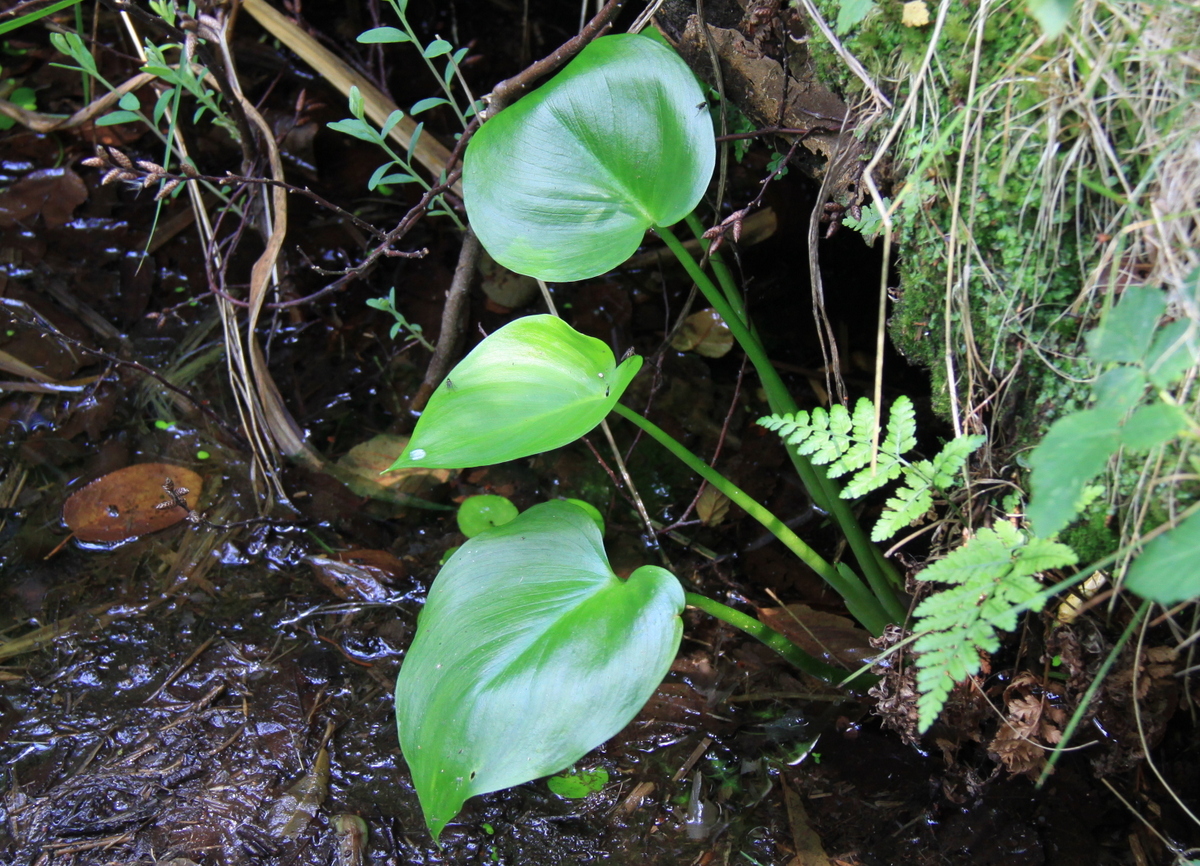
x=578, y=784
x=480, y=513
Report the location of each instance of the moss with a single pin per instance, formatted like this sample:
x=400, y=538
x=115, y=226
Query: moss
x=1016, y=298
x=1092, y=538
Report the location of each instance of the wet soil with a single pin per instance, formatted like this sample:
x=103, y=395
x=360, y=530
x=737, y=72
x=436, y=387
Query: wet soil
x=220, y=692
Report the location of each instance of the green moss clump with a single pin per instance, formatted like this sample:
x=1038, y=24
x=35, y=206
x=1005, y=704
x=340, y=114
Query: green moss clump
x=1092, y=538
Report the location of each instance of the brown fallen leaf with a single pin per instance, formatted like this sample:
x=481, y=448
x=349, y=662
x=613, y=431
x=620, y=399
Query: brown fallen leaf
x=362, y=469
x=1031, y=726
x=358, y=575
x=52, y=192
x=704, y=333
x=712, y=506
x=505, y=289
x=809, y=849
x=124, y=504
x=824, y=635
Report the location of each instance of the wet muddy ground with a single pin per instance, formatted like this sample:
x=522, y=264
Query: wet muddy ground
x=220, y=691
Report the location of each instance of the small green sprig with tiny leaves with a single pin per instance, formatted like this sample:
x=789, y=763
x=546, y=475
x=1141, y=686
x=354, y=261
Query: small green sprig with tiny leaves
x=388, y=305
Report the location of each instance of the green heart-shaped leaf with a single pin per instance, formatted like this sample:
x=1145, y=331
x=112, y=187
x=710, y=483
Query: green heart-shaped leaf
x=533, y=385
x=529, y=653
x=563, y=184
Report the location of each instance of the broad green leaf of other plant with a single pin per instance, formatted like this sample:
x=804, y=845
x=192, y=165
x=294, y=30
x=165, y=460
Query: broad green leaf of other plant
x=530, y=652
x=1052, y=15
x=533, y=385
x=1078, y=446
x=563, y=184
x=1166, y=571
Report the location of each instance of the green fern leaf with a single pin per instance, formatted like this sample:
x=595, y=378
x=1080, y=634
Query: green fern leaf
x=845, y=443
x=861, y=436
x=834, y=427
x=901, y=429
x=914, y=498
x=952, y=458
x=824, y=436
x=889, y=462
x=989, y=577
x=910, y=503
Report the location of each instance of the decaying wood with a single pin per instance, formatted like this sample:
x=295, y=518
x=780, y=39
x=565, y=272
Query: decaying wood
x=779, y=93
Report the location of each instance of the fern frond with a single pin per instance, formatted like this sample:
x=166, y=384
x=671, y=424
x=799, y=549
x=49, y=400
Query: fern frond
x=948, y=462
x=900, y=438
x=914, y=498
x=862, y=434
x=909, y=504
x=845, y=443
x=901, y=429
x=989, y=577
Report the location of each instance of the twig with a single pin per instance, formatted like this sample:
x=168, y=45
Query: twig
x=450, y=336
x=737, y=390
x=782, y=130
x=825, y=335
x=148, y=173
x=174, y=675
x=511, y=89
x=849, y=59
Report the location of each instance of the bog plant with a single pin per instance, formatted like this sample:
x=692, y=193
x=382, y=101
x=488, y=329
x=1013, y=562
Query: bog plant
x=530, y=651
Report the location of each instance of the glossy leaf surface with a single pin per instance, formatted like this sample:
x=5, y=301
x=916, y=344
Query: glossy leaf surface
x=480, y=513
x=533, y=385
x=529, y=653
x=563, y=184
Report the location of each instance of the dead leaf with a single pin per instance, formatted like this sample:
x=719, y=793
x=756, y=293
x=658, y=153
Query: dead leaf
x=1032, y=724
x=823, y=635
x=52, y=192
x=704, y=333
x=809, y=849
x=505, y=290
x=916, y=14
x=360, y=470
x=1068, y=610
x=358, y=575
x=124, y=504
x=712, y=506
x=295, y=809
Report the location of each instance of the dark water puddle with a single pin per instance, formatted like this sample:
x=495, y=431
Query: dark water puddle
x=184, y=726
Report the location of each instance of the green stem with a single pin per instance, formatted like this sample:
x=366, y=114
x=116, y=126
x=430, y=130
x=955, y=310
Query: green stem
x=879, y=572
x=861, y=604
x=724, y=277
x=776, y=641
